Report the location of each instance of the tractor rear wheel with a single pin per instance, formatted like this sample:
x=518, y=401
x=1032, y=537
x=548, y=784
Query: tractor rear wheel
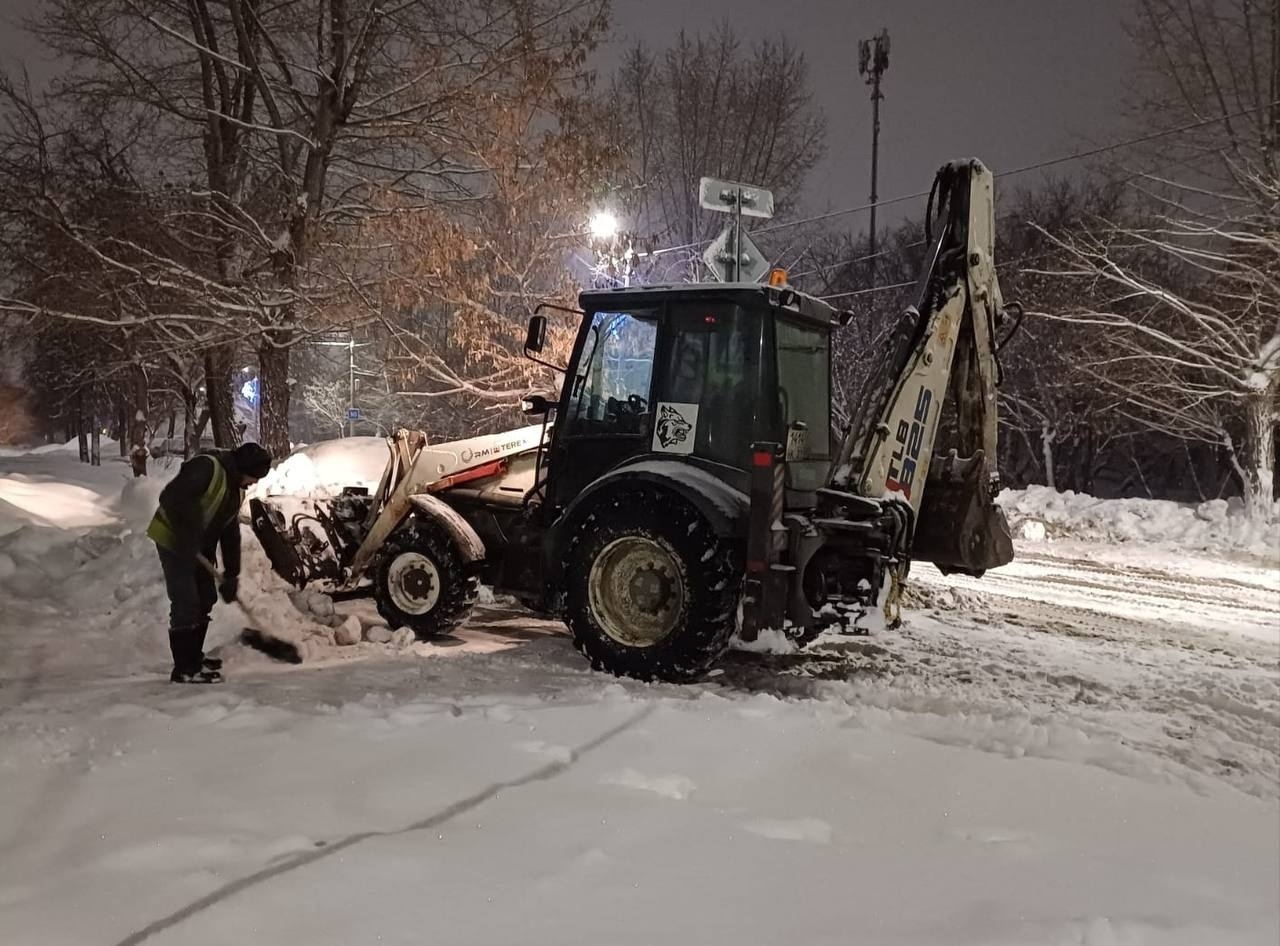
x=651, y=590
x=422, y=582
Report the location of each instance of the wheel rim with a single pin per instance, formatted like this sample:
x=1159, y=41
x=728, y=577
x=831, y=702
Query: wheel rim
x=413, y=581
x=636, y=591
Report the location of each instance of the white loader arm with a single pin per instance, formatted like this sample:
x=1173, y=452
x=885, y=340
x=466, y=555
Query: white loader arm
x=416, y=467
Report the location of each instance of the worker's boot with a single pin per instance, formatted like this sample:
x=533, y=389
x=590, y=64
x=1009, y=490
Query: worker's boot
x=208, y=663
x=188, y=662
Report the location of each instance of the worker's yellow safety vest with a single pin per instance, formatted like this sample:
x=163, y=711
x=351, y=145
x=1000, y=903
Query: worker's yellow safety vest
x=161, y=531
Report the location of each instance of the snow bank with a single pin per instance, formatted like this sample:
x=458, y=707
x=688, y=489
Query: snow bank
x=72, y=540
x=1039, y=513
x=105, y=445
x=323, y=469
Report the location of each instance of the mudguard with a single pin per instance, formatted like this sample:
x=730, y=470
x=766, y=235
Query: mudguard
x=468, y=543
x=724, y=507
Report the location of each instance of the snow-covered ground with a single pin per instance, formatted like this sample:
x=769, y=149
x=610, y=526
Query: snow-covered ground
x=1081, y=748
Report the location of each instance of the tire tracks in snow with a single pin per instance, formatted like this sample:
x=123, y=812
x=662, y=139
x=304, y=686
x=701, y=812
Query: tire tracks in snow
x=549, y=771
x=1113, y=653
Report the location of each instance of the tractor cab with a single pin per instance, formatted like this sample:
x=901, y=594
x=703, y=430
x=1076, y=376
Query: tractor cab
x=693, y=374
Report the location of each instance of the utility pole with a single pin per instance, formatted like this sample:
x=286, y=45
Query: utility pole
x=737, y=234
x=873, y=63
x=351, y=386
x=350, y=345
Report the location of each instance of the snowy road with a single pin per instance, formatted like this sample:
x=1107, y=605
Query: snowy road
x=1123, y=788
x=1082, y=748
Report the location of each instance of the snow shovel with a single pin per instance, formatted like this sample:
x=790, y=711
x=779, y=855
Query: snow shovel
x=254, y=636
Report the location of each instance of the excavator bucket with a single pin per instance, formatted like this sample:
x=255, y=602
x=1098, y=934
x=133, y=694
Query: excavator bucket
x=960, y=528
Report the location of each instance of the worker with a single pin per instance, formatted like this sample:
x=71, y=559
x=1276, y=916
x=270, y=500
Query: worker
x=199, y=510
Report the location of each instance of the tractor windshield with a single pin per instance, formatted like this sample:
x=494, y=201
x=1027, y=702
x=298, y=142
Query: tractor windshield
x=804, y=396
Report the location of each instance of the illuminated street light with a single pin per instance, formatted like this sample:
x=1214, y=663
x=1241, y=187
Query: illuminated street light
x=604, y=225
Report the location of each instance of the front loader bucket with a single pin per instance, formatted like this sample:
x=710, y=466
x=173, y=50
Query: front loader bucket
x=276, y=543
x=960, y=528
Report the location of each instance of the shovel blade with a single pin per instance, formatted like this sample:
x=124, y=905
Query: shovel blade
x=273, y=647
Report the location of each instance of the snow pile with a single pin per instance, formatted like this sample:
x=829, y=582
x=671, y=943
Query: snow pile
x=105, y=445
x=72, y=541
x=1038, y=513
x=323, y=469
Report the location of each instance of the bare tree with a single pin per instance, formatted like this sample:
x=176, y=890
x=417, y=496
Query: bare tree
x=1184, y=289
x=1201, y=60
x=1191, y=310
x=709, y=105
x=269, y=136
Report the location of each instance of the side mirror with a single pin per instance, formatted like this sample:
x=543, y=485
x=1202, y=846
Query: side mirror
x=536, y=338
x=536, y=405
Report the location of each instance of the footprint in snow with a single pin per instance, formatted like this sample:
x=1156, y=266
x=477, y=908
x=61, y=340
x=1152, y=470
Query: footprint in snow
x=547, y=750
x=678, y=787
x=813, y=830
x=1002, y=837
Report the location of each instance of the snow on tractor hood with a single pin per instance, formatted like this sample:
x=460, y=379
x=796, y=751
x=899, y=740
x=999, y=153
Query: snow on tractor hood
x=322, y=470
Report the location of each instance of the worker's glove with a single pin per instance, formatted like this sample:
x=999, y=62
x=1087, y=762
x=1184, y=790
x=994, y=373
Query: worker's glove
x=229, y=587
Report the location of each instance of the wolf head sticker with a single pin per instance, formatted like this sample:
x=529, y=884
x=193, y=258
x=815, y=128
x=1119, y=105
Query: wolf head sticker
x=675, y=428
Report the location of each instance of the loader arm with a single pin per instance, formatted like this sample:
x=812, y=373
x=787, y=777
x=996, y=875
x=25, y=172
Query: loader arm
x=418, y=467
x=942, y=347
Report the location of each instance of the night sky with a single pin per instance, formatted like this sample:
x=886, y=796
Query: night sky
x=1010, y=81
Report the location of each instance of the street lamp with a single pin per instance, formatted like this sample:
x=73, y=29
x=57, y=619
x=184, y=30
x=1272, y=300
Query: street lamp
x=604, y=225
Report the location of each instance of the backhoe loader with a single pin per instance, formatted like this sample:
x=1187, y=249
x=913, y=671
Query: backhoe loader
x=686, y=483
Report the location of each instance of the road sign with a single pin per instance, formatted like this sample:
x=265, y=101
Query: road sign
x=752, y=266
x=728, y=196
x=353, y=413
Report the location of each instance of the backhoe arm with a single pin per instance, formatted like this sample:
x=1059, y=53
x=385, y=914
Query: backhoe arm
x=942, y=346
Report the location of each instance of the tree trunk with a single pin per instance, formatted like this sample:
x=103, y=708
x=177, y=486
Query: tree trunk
x=1191, y=468
x=138, y=451
x=222, y=412
x=95, y=444
x=82, y=440
x=1257, y=466
x=1046, y=447
x=122, y=427
x=190, y=430
x=273, y=379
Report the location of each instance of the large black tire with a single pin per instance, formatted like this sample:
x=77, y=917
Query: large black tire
x=650, y=590
x=422, y=581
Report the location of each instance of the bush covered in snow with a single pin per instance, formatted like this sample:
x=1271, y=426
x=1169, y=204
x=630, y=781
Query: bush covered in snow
x=1039, y=513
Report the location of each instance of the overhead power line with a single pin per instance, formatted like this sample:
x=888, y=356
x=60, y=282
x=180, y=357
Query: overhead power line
x=911, y=282
x=1039, y=165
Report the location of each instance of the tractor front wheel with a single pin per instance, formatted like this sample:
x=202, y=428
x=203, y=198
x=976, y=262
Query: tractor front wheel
x=651, y=590
x=422, y=582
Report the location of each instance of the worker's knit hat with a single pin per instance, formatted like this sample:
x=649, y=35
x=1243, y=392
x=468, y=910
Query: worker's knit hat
x=252, y=460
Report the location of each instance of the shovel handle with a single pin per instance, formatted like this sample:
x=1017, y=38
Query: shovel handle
x=209, y=566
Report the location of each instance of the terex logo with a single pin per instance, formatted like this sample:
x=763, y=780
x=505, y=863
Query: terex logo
x=468, y=454
x=910, y=436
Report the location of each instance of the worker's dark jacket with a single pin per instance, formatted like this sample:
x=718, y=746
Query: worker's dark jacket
x=198, y=510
